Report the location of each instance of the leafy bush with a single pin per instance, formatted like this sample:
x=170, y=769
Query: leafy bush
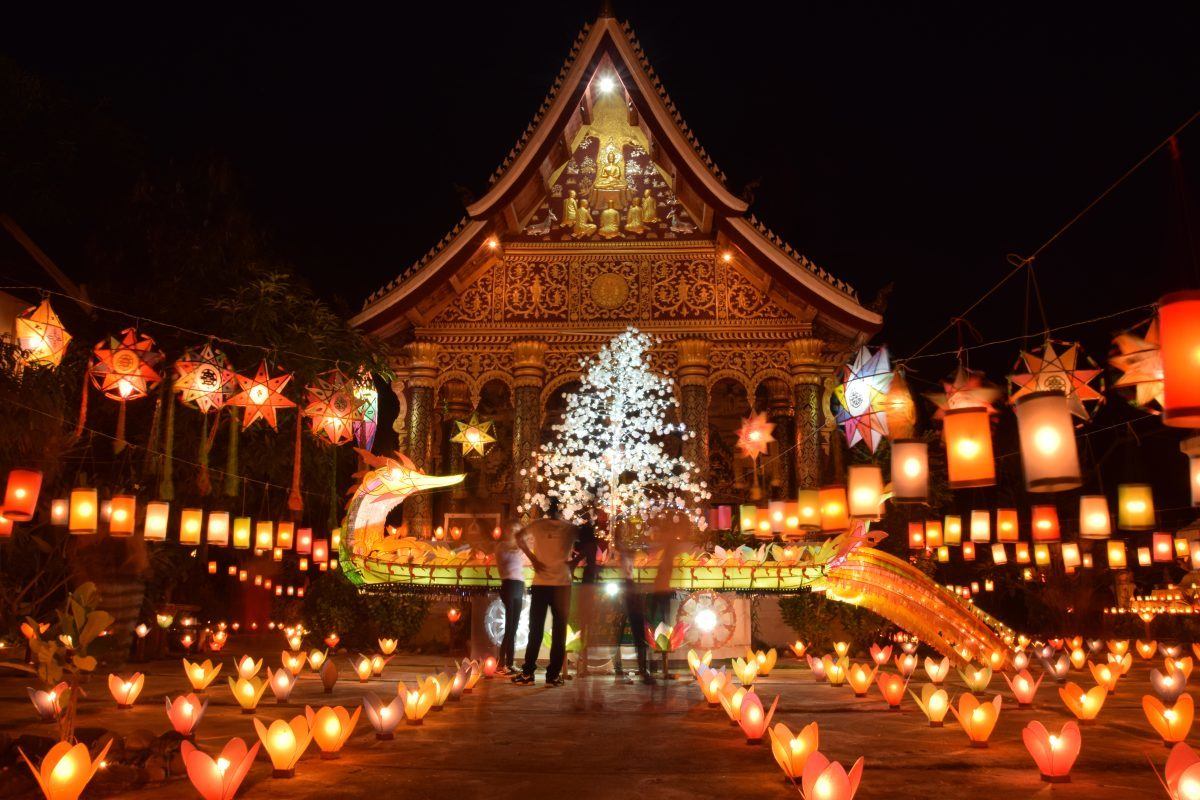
x=822, y=621
x=333, y=604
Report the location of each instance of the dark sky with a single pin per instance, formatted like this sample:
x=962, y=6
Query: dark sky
x=915, y=143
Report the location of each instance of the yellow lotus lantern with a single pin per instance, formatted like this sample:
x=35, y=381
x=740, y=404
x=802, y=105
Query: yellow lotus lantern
x=378, y=662
x=841, y=648
x=731, y=701
x=247, y=691
x=200, y=675
x=284, y=742
x=66, y=769
x=1024, y=687
x=362, y=668
x=1146, y=650
x=282, y=681
x=860, y=678
x=315, y=659
x=753, y=720
x=1172, y=723
x=439, y=688
x=1084, y=705
x=126, y=691
x=799, y=648
x=218, y=779
x=976, y=678
x=711, y=682
x=835, y=671
x=247, y=667
x=934, y=703
x=472, y=672
x=892, y=688
x=828, y=780
x=977, y=718
x=1106, y=676
x=387, y=646
x=745, y=670
x=185, y=713
x=1118, y=646
x=293, y=662
x=766, y=660
x=996, y=660
x=331, y=727
x=417, y=703
x=295, y=638
x=695, y=661
x=792, y=752
x=1078, y=658
x=937, y=670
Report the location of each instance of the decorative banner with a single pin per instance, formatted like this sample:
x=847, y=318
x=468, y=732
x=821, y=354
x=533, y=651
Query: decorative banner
x=475, y=435
x=262, y=396
x=204, y=377
x=862, y=398
x=1140, y=361
x=966, y=389
x=333, y=407
x=368, y=403
x=1051, y=371
x=755, y=435
x=41, y=335
x=126, y=369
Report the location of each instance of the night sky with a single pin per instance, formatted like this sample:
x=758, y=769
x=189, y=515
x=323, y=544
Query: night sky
x=891, y=143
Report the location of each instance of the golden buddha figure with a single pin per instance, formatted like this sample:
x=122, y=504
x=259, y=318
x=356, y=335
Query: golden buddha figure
x=609, y=185
x=610, y=222
x=649, y=208
x=570, y=206
x=584, y=226
x=633, y=219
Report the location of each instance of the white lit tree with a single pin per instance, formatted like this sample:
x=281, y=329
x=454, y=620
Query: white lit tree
x=609, y=452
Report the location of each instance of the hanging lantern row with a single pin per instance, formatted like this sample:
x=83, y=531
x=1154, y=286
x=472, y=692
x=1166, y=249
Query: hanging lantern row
x=1163, y=549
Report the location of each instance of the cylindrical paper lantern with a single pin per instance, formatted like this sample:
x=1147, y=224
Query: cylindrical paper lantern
x=1070, y=555
x=777, y=514
x=968, y=551
x=1194, y=478
x=284, y=534
x=158, y=515
x=1008, y=529
x=866, y=491
x=1045, y=524
x=241, y=533
x=1163, y=547
x=1041, y=554
x=916, y=536
x=1085, y=561
x=999, y=555
x=748, y=515
x=277, y=554
x=6, y=527
x=1179, y=340
x=1116, y=554
x=1048, y=450
x=320, y=553
x=85, y=506
x=264, y=535
x=1181, y=547
x=304, y=540
x=60, y=511
x=910, y=471
x=1195, y=555
x=952, y=529
x=1022, y=551
x=933, y=533
x=943, y=554
x=1094, y=520
x=1135, y=507
x=21, y=494
x=191, y=523
x=981, y=526
x=218, y=528
x=968, y=436
x=1143, y=555
x=835, y=516
x=123, y=515
x=809, y=502
x=791, y=525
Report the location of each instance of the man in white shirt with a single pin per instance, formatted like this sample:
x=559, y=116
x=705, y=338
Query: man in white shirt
x=548, y=543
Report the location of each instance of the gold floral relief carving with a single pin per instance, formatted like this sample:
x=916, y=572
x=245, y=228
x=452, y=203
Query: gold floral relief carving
x=684, y=289
x=474, y=304
x=611, y=289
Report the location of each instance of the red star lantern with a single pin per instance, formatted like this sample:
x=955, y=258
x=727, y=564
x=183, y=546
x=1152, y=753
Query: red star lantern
x=262, y=396
x=203, y=377
x=1051, y=371
x=41, y=336
x=965, y=389
x=754, y=435
x=126, y=368
x=333, y=406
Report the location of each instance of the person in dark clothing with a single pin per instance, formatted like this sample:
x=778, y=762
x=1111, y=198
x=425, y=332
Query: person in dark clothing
x=548, y=543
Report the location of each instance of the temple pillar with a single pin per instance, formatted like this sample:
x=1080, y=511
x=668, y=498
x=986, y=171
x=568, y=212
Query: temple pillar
x=529, y=375
x=806, y=368
x=458, y=408
x=779, y=411
x=692, y=373
x=400, y=390
x=422, y=378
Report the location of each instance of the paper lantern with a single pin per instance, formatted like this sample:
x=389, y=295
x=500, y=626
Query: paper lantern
x=85, y=507
x=916, y=536
x=753, y=720
x=933, y=533
x=1094, y=521
x=1022, y=552
x=1105, y=676
x=976, y=679
x=968, y=551
x=218, y=528
x=284, y=742
x=1116, y=554
x=320, y=551
x=777, y=514
x=937, y=670
x=264, y=535
x=1070, y=556
x=860, y=399
x=892, y=688
x=331, y=727
x=977, y=718
x=835, y=515
x=1048, y=450
x=191, y=523
x=880, y=655
x=304, y=541
x=334, y=409
x=1135, y=507
x=808, y=507
x=66, y=769
x=1171, y=723
x=943, y=555
x=41, y=336
x=126, y=368
x=261, y=396
x=934, y=703
x=1053, y=754
x=60, y=512
x=417, y=703
x=952, y=529
x=792, y=752
x=200, y=675
x=1194, y=474
x=122, y=515
x=285, y=535
x=860, y=679
x=1144, y=557
x=21, y=494
x=1008, y=528
x=1059, y=372
x=981, y=527
x=766, y=660
x=185, y=713
x=755, y=435
x=1179, y=342
x=241, y=533
x=126, y=691
x=362, y=668
x=1045, y=524
x=248, y=692
x=968, y=436
x=1162, y=547
x=910, y=471
x=219, y=779
x=203, y=377
x=276, y=555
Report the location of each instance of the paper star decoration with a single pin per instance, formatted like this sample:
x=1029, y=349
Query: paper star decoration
x=1051, y=371
x=203, y=377
x=126, y=368
x=368, y=402
x=262, y=396
x=862, y=398
x=965, y=389
x=333, y=407
x=755, y=435
x=475, y=435
x=41, y=336
x=1140, y=361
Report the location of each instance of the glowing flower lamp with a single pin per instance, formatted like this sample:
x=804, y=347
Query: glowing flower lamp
x=200, y=675
x=892, y=688
x=934, y=703
x=712, y=682
x=860, y=678
x=362, y=668
x=126, y=691
x=792, y=752
x=185, y=713
x=841, y=648
x=248, y=692
x=1172, y=723
x=906, y=664
x=1179, y=666
x=384, y=718
x=331, y=727
x=284, y=742
x=1105, y=676
x=977, y=719
x=1078, y=658
x=48, y=703
x=880, y=655
x=1182, y=773
x=1024, y=687
x=1020, y=660
x=1122, y=664
x=1084, y=705
x=1054, y=754
x=731, y=702
x=1146, y=649
x=828, y=780
x=976, y=679
x=835, y=671
x=218, y=779
x=745, y=670
x=66, y=769
x=753, y=720
x=937, y=670
x=247, y=667
x=282, y=681
x=387, y=646
x=766, y=661
x=817, y=667
x=696, y=661
x=416, y=703
x=1168, y=686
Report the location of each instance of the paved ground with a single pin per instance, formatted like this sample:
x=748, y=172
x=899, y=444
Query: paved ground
x=595, y=739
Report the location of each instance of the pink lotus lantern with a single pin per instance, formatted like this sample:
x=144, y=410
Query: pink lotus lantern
x=1058, y=669
x=1182, y=774
x=384, y=718
x=489, y=667
x=281, y=681
x=892, y=688
x=1024, y=687
x=828, y=780
x=712, y=681
x=48, y=703
x=126, y=692
x=937, y=671
x=881, y=655
x=906, y=664
x=817, y=667
x=977, y=719
x=753, y=720
x=1173, y=723
x=792, y=752
x=221, y=778
x=185, y=713
x=1053, y=754
x=331, y=640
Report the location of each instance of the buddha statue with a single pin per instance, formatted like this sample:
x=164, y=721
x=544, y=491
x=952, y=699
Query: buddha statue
x=584, y=226
x=649, y=208
x=570, y=205
x=610, y=174
x=610, y=222
x=633, y=219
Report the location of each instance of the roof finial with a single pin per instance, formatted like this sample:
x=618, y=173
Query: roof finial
x=606, y=10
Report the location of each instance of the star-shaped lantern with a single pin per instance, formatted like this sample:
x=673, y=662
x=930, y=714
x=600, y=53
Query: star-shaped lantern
x=126, y=368
x=1140, y=361
x=203, y=377
x=754, y=435
x=475, y=435
x=967, y=388
x=261, y=396
x=333, y=406
x=368, y=403
x=41, y=336
x=1052, y=371
x=862, y=398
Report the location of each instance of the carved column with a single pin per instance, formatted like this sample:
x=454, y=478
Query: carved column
x=692, y=373
x=422, y=377
x=529, y=374
x=399, y=388
x=458, y=408
x=779, y=411
x=806, y=367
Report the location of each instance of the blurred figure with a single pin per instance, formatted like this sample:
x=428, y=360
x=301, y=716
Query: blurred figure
x=671, y=535
x=635, y=609
x=511, y=562
x=548, y=543
x=587, y=552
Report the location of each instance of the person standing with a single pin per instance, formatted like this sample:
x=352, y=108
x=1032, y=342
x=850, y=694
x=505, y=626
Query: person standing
x=548, y=543
x=511, y=562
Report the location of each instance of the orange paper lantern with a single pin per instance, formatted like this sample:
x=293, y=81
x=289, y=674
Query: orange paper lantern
x=1179, y=340
x=968, y=436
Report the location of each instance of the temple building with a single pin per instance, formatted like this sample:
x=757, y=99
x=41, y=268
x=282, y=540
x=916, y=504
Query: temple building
x=609, y=213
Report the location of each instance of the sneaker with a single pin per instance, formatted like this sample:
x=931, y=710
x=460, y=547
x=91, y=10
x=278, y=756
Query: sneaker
x=647, y=678
x=559, y=681
x=523, y=680
x=506, y=671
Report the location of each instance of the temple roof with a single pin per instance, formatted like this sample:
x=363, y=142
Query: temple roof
x=505, y=207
